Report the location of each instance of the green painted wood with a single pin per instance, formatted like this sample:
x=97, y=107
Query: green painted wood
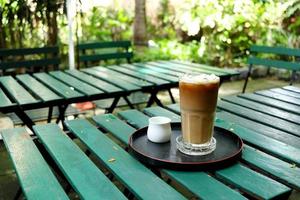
x=260, y=117
x=111, y=123
x=292, y=88
x=127, y=169
x=199, y=183
x=151, y=72
x=286, y=92
x=272, y=102
x=226, y=70
x=59, y=87
x=35, y=176
x=254, y=137
x=109, y=44
x=279, y=169
x=137, y=74
x=102, y=85
x=30, y=63
x=140, y=120
x=191, y=68
x=159, y=111
x=37, y=88
x=275, y=112
x=112, y=79
x=86, y=179
x=28, y=51
x=253, y=183
x=159, y=69
x=4, y=100
x=274, y=63
x=16, y=91
x=275, y=50
x=136, y=81
x=106, y=56
x=79, y=85
x=280, y=97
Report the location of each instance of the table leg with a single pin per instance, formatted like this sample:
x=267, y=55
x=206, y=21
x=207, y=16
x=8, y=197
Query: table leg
x=24, y=117
x=50, y=114
x=62, y=110
x=171, y=96
x=113, y=105
x=153, y=99
x=128, y=102
x=18, y=194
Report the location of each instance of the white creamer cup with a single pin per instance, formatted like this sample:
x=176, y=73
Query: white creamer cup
x=159, y=129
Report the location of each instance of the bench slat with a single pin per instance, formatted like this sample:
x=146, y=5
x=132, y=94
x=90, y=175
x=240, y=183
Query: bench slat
x=35, y=176
x=127, y=169
x=272, y=102
x=187, y=68
x=280, y=97
x=286, y=92
x=106, y=56
x=275, y=112
x=111, y=79
x=28, y=51
x=275, y=50
x=199, y=183
x=110, y=44
x=17, y=92
x=151, y=72
x=102, y=85
x=136, y=74
x=39, y=89
x=75, y=83
x=253, y=183
x=57, y=86
x=4, y=100
x=30, y=63
x=136, y=81
x=274, y=63
x=260, y=117
x=86, y=179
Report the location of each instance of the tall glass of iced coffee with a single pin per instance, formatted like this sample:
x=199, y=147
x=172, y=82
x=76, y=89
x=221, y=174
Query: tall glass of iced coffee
x=198, y=100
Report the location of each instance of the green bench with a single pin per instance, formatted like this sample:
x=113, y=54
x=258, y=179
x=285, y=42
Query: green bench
x=281, y=58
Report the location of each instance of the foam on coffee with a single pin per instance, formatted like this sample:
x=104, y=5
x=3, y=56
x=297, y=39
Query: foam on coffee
x=200, y=78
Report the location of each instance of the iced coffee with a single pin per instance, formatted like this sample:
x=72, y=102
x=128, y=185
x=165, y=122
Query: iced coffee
x=198, y=100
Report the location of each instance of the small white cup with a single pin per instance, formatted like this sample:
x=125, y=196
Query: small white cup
x=159, y=129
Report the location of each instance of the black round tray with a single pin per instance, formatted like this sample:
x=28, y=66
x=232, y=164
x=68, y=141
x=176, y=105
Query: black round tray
x=165, y=155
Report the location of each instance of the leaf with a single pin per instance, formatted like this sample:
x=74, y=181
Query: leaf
x=112, y=160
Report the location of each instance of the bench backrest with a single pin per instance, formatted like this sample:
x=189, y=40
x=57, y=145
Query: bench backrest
x=44, y=57
x=291, y=60
x=98, y=51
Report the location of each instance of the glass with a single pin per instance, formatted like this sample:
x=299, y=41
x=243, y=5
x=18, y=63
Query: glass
x=198, y=101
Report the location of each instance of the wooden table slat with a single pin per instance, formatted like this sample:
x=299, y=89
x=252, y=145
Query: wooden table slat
x=151, y=72
x=137, y=74
x=137, y=81
x=292, y=88
x=207, y=188
x=159, y=69
x=186, y=69
x=38, y=88
x=4, y=100
x=114, y=80
x=86, y=179
x=17, y=92
x=253, y=183
x=127, y=169
x=275, y=112
x=75, y=83
x=35, y=176
x=102, y=85
x=272, y=102
x=286, y=92
x=260, y=117
x=56, y=85
x=278, y=96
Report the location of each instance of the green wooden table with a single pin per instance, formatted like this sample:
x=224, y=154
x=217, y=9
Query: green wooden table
x=61, y=88
x=267, y=121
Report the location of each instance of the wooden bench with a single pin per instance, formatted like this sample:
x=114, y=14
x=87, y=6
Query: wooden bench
x=99, y=51
x=44, y=58
x=281, y=58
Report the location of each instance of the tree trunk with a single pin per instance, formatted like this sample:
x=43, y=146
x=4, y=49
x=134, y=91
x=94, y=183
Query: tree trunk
x=140, y=28
x=2, y=31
